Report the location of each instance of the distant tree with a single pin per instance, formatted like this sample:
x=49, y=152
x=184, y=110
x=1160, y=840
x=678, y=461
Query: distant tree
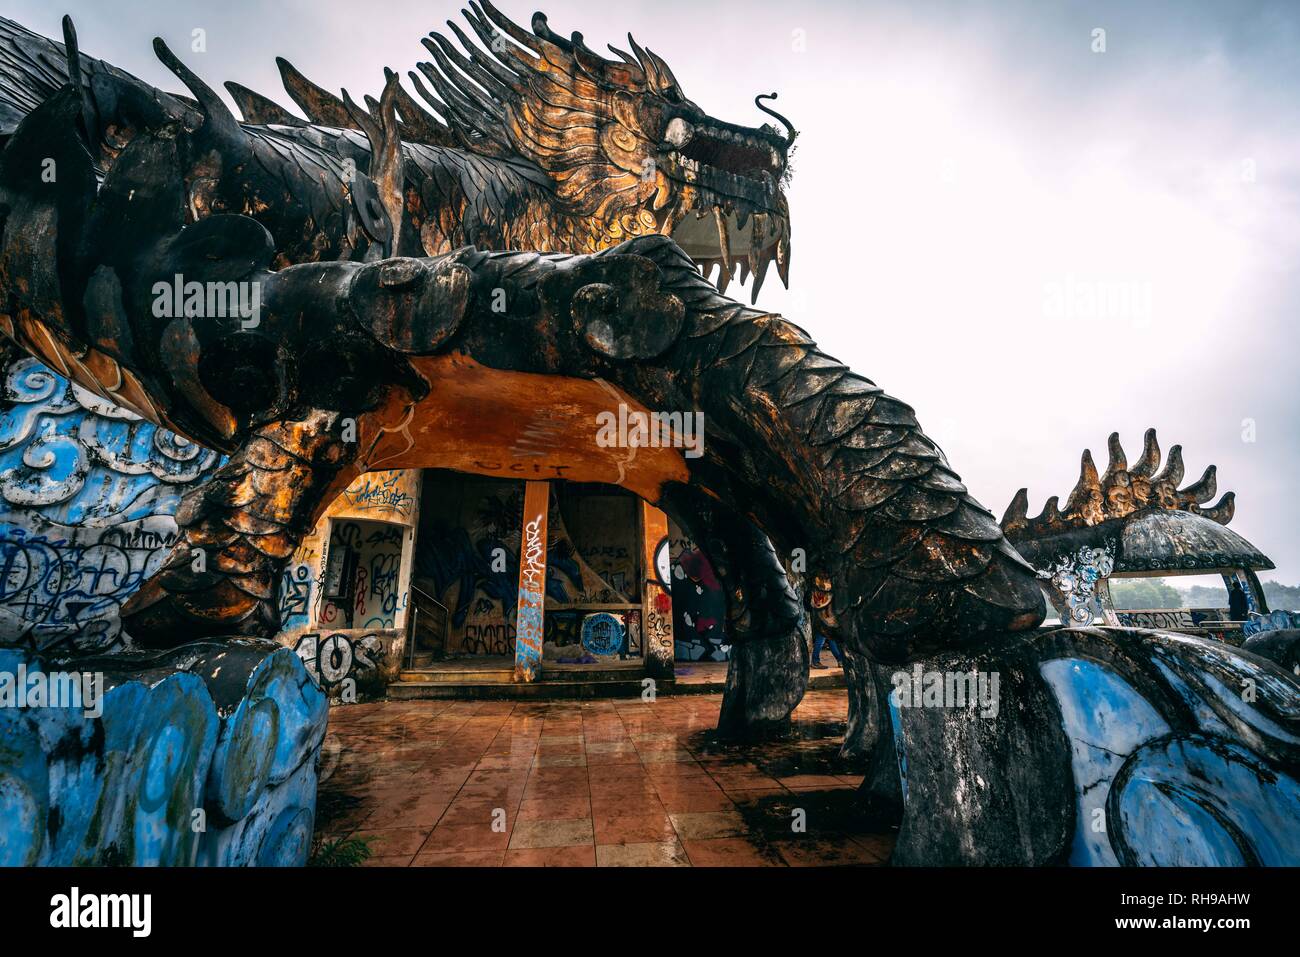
x=1282, y=597
x=1145, y=593
x=1206, y=596
x=1279, y=596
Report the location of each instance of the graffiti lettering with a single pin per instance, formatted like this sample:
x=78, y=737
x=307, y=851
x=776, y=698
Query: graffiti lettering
x=333, y=659
x=382, y=494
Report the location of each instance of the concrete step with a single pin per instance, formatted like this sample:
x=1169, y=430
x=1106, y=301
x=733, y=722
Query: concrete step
x=496, y=674
x=817, y=681
x=630, y=672
x=546, y=689
x=457, y=676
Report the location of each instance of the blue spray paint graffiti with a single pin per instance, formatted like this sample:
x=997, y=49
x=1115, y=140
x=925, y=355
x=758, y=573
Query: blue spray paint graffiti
x=384, y=492
x=604, y=634
x=295, y=596
x=471, y=565
x=87, y=495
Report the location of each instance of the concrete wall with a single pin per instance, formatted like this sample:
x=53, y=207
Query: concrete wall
x=353, y=648
x=88, y=492
x=203, y=755
x=87, y=497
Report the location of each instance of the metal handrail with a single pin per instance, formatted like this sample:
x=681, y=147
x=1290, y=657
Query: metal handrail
x=414, y=619
x=416, y=588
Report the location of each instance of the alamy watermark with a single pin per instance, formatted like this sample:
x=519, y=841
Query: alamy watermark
x=208, y=300
x=633, y=429
x=78, y=690
x=946, y=689
x=1076, y=299
x=133, y=912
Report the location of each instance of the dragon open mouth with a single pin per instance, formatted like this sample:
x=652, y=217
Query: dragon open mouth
x=733, y=216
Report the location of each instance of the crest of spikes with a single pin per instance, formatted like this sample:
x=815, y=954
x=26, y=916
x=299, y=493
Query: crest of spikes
x=1120, y=491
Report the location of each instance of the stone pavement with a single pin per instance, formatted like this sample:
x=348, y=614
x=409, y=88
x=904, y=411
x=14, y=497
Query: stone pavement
x=606, y=782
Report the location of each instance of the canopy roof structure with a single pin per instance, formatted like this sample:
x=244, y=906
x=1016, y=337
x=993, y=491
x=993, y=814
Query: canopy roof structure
x=1162, y=542
x=1140, y=516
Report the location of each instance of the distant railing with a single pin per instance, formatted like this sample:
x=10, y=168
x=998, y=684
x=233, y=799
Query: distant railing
x=1208, y=622
x=429, y=617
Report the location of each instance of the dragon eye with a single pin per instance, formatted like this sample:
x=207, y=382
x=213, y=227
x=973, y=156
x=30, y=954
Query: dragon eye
x=673, y=95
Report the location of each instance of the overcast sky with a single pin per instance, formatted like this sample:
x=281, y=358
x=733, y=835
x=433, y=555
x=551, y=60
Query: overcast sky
x=967, y=175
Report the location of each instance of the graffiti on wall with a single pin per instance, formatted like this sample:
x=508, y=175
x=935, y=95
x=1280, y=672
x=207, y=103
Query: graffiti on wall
x=604, y=634
x=657, y=601
x=381, y=491
x=699, y=605
x=369, y=555
x=1074, y=580
x=295, y=596
x=335, y=659
x=530, y=631
x=469, y=561
x=489, y=638
x=87, y=497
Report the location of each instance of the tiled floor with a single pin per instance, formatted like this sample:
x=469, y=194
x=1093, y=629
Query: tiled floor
x=608, y=783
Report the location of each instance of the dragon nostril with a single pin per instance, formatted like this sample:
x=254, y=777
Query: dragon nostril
x=678, y=133
x=400, y=273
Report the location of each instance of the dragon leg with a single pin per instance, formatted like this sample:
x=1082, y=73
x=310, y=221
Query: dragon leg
x=869, y=738
x=767, y=673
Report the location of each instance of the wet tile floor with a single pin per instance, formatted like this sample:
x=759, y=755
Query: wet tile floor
x=613, y=782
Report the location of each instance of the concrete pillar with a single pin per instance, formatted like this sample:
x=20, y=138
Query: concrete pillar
x=1251, y=586
x=1255, y=591
x=656, y=595
x=530, y=610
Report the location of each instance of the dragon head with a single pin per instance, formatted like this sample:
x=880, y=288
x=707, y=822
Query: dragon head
x=627, y=152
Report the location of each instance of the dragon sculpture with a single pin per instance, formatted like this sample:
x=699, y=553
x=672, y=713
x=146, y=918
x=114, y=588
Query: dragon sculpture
x=537, y=232
x=1136, y=517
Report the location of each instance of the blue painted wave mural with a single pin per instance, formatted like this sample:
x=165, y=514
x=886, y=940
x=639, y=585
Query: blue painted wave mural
x=88, y=492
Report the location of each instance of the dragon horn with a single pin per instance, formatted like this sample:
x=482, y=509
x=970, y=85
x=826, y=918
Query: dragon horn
x=791, y=132
x=647, y=65
x=511, y=29
x=1088, y=482
x=256, y=108
x=1203, y=489
x=424, y=126
x=364, y=121
x=1223, y=510
x=1146, y=465
x=1117, y=461
x=216, y=116
x=1172, y=473
x=1050, y=515
x=1017, y=514
x=89, y=114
